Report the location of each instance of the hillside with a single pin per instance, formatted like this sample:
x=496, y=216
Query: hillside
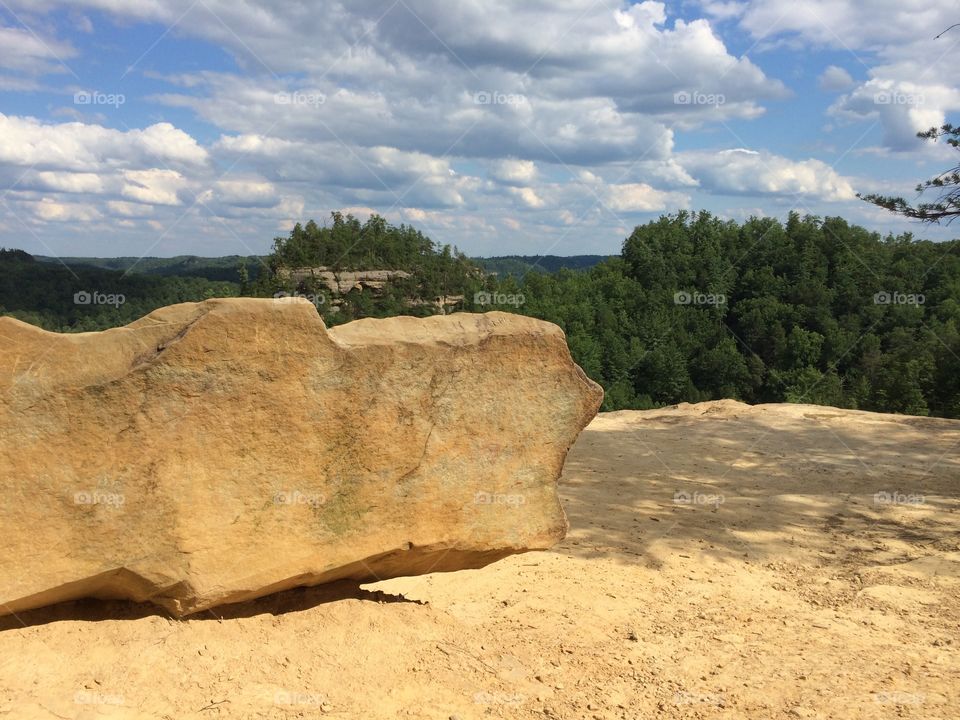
x=225, y=268
x=722, y=561
x=74, y=298
x=212, y=268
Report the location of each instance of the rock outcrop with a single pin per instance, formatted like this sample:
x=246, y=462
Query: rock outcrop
x=216, y=452
x=342, y=282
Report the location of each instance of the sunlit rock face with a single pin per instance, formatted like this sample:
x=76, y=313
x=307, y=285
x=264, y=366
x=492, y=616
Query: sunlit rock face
x=216, y=452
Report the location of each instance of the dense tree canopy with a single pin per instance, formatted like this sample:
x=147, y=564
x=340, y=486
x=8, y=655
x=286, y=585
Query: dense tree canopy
x=814, y=311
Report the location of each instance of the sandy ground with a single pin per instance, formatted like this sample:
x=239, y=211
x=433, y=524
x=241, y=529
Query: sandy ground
x=723, y=561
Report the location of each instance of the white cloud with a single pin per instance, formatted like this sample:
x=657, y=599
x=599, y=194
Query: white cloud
x=69, y=182
x=723, y=10
x=749, y=172
x=50, y=210
x=164, y=141
x=577, y=81
x=469, y=119
x=25, y=51
x=514, y=172
x=851, y=24
x=640, y=197
x=835, y=79
x=666, y=172
x=125, y=209
x=245, y=193
x=894, y=39
x=355, y=174
x=82, y=147
x=528, y=197
x=903, y=108
x=155, y=186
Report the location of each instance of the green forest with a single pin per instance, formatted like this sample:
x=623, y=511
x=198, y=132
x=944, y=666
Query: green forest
x=694, y=308
x=79, y=297
x=816, y=311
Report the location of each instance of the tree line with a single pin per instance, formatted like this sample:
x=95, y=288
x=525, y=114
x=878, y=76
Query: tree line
x=813, y=310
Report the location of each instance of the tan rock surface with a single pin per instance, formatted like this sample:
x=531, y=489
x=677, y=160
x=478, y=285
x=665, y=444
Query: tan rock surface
x=216, y=452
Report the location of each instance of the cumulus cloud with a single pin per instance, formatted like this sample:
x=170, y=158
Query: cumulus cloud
x=528, y=197
x=514, y=172
x=154, y=186
x=835, y=79
x=749, y=172
x=578, y=81
x=477, y=121
x=122, y=208
x=723, y=10
x=50, y=210
x=910, y=73
x=25, y=51
x=384, y=174
x=640, y=197
x=68, y=182
x=84, y=147
x=247, y=193
x=849, y=24
x=904, y=108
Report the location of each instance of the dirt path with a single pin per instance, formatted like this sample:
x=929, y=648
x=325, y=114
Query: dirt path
x=723, y=561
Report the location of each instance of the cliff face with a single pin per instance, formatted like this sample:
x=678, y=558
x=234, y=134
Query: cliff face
x=343, y=282
x=219, y=451
x=340, y=283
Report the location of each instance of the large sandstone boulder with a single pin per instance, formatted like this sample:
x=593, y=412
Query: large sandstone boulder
x=216, y=452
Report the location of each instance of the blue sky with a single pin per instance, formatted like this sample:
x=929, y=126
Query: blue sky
x=164, y=127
